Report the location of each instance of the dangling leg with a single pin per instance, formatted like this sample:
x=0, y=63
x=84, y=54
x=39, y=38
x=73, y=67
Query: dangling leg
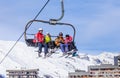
x=62, y=47
x=45, y=49
x=40, y=49
x=66, y=48
x=73, y=47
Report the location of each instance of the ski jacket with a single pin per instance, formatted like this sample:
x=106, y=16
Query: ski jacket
x=68, y=40
x=40, y=37
x=35, y=38
x=47, y=38
x=59, y=40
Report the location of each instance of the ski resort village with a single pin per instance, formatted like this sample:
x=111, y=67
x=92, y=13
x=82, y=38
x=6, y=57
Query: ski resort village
x=60, y=39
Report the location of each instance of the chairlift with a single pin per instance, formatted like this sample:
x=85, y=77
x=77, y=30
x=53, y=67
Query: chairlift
x=30, y=42
x=51, y=22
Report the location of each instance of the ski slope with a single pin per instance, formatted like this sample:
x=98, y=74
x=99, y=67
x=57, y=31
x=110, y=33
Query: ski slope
x=24, y=57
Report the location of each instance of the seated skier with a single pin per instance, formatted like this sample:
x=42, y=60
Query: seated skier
x=67, y=42
x=59, y=40
x=49, y=42
x=40, y=40
x=68, y=45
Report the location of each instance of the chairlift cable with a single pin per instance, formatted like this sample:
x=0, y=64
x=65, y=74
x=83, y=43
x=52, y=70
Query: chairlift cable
x=51, y=21
x=23, y=33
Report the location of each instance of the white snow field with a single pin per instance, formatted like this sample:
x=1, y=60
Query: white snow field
x=24, y=57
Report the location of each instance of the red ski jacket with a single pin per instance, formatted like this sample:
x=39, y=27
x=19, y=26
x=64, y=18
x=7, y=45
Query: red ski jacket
x=39, y=37
x=68, y=39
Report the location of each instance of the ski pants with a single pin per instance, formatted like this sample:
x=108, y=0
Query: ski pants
x=40, y=45
x=64, y=47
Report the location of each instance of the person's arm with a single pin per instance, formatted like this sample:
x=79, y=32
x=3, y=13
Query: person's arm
x=57, y=42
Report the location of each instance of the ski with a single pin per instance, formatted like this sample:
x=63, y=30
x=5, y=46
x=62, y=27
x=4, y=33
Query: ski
x=73, y=52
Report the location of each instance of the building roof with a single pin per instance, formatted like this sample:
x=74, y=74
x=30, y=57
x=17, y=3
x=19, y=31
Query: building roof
x=79, y=73
x=102, y=66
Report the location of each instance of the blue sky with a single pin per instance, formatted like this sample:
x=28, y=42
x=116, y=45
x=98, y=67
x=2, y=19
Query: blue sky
x=96, y=21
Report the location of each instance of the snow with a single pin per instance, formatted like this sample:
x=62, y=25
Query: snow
x=24, y=57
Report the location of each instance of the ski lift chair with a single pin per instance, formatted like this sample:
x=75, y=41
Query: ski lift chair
x=30, y=42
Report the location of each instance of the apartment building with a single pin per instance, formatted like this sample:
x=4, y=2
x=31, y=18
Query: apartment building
x=23, y=73
x=104, y=71
x=117, y=61
x=99, y=71
x=79, y=74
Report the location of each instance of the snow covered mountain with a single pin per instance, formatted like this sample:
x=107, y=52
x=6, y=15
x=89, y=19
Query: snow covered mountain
x=55, y=66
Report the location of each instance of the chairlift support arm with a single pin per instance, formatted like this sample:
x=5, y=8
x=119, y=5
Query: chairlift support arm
x=62, y=12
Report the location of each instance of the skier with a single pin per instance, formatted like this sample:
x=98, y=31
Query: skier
x=69, y=42
x=68, y=46
x=65, y=46
x=47, y=37
x=59, y=40
x=35, y=40
x=48, y=40
x=41, y=43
